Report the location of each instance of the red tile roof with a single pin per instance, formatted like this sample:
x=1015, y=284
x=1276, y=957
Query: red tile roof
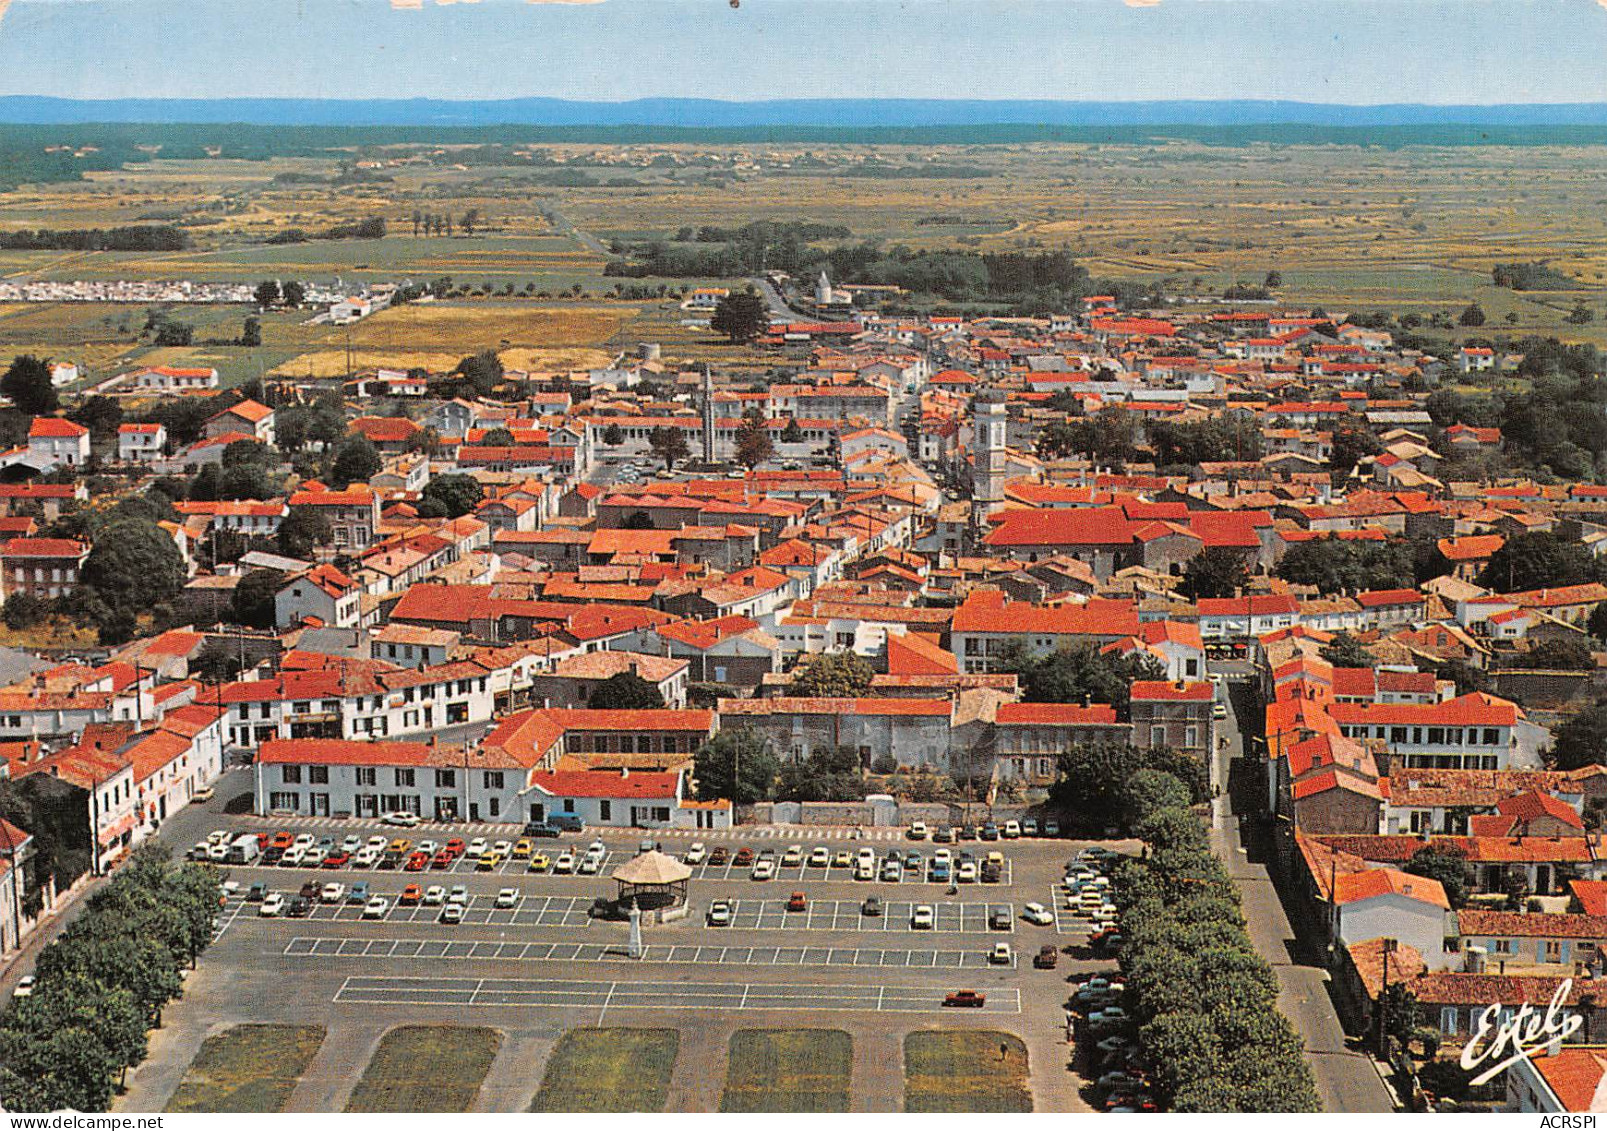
x=646, y=785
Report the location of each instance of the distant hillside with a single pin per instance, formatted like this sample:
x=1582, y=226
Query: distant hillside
x=836, y=113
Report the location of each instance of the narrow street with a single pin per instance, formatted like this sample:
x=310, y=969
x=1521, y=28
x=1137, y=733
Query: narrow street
x=1346, y=1079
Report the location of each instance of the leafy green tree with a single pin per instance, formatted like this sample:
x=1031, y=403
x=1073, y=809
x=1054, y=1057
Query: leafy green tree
x=833, y=675
x=498, y=438
x=613, y=435
x=27, y=384
x=252, y=602
x=450, y=496
x=1073, y=675
x=792, y=433
x=669, y=444
x=1539, y=560
x=1472, y=315
x=356, y=461
x=1150, y=791
x=1216, y=571
x=266, y=294
x=753, y=443
x=736, y=765
x=626, y=691
x=482, y=371
x=1447, y=864
x=294, y=294
x=302, y=532
x=1345, y=651
x=101, y=415
x=133, y=567
x=251, y=332
x=741, y=317
x=1559, y=655
x=832, y=773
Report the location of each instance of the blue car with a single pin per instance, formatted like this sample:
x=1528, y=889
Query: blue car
x=359, y=893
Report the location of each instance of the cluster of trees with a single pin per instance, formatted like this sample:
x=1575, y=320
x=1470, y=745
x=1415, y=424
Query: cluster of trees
x=753, y=442
x=1580, y=741
x=1539, y=560
x=372, y=228
x=271, y=293
x=833, y=675
x=764, y=232
x=1205, y=1001
x=440, y=223
x=27, y=384
x=1078, y=675
x=1104, y=786
x=1557, y=426
x=1216, y=571
x=1532, y=277
x=450, y=496
x=143, y=237
x=1336, y=566
x=103, y=983
x=1108, y=437
x=741, y=317
x=741, y=764
x=1220, y=439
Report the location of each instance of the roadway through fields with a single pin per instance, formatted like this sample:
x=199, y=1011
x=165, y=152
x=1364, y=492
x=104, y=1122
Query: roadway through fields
x=304, y=946
x=690, y=996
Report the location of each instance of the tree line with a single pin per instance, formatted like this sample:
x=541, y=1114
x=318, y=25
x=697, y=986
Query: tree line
x=102, y=984
x=142, y=237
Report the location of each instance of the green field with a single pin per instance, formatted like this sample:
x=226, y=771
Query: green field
x=426, y=1068
x=793, y=1070
x=963, y=1072
x=609, y=1070
x=247, y=1068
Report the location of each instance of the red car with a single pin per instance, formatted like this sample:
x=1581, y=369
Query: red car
x=411, y=894
x=455, y=847
x=418, y=861
x=443, y=859
x=262, y=841
x=282, y=840
x=337, y=859
x=797, y=902
x=744, y=857
x=965, y=999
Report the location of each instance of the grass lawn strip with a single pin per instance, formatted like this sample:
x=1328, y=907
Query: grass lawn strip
x=426, y=1068
x=251, y=1068
x=788, y=1070
x=961, y=1071
x=594, y=1070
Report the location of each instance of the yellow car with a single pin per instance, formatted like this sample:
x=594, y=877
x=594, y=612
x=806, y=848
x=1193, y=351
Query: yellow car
x=843, y=860
x=487, y=862
x=538, y=862
x=523, y=849
x=400, y=847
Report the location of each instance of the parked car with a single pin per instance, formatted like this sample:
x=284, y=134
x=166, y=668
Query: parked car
x=539, y=862
x=696, y=854
x=300, y=907
x=410, y=896
x=272, y=904
x=590, y=864
x=452, y=913
x=872, y=907
x=965, y=999
x=1038, y=915
x=375, y=908
x=358, y=894
x=507, y=897
x=918, y=830
x=1051, y=827
x=999, y=919
x=1047, y=958
x=1219, y=711
x=922, y=918
x=966, y=872
x=719, y=856
x=458, y=894
x=337, y=859
x=793, y=857
x=719, y=914
x=943, y=835
x=1000, y=955
x=1029, y=826
x=1011, y=830
x=820, y=857
x=332, y=893
x=842, y=859
x=990, y=831
x=401, y=819
x=797, y=902
x=434, y=895
x=764, y=870
x=257, y=892
x=743, y=858
x=565, y=864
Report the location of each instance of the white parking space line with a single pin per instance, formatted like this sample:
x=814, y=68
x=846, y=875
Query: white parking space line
x=679, y=954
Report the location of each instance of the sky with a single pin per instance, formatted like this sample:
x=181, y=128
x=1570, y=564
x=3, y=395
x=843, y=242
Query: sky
x=1334, y=51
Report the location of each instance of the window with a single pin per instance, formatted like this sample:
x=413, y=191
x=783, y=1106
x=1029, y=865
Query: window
x=1157, y=736
x=404, y=779
x=661, y=813
x=367, y=805
x=446, y=779
x=1504, y=946
x=291, y=801
x=1551, y=952
x=1492, y=737
x=605, y=810
x=1448, y=1020
x=318, y=775
x=1191, y=736
x=290, y=775
x=569, y=805
x=494, y=805
x=493, y=779
x=367, y=775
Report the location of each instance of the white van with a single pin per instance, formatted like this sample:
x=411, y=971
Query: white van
x=865, y=869
x=245, y=849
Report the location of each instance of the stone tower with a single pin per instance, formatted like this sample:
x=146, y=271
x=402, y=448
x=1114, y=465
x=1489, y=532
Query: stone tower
x=987, y=443
x=708, y=415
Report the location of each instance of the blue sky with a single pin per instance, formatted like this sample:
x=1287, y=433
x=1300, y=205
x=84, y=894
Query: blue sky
x=1345, y=51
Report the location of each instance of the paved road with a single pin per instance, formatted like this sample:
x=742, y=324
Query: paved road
x=779, y=310
x=1346, y=1079
x=563, y=227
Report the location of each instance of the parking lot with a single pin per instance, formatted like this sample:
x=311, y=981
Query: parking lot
x=691, y=997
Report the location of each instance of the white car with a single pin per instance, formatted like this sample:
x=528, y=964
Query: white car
x=375, y=908
x=477, y=848
x=1220, y=711
x=922, y=918
x=918, y=830
x=1000, y=954
x=1104, y=913
x=764, y=869
x=426, y=846
x=966, y=872
x=697, y=853
x=865, y=870
x=793, y=856
x=401, y=818
x=313, y=857
x=351, y=844
x=508, y=897
x=590, y=864
x=1038, y=915
x=293, y=856
x=502, y=848
x=565, y=864
x=820, y=857
x=1011, y=830
x=943, y=856
x=459, y=894
x=333, y=892
x=218, y=836
x=434, y=894
x=597, y=848
x=217, y=851
x=376, y=844
x=305, y=841
x=719, y=914
x=272, y=904
x=866, y=856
